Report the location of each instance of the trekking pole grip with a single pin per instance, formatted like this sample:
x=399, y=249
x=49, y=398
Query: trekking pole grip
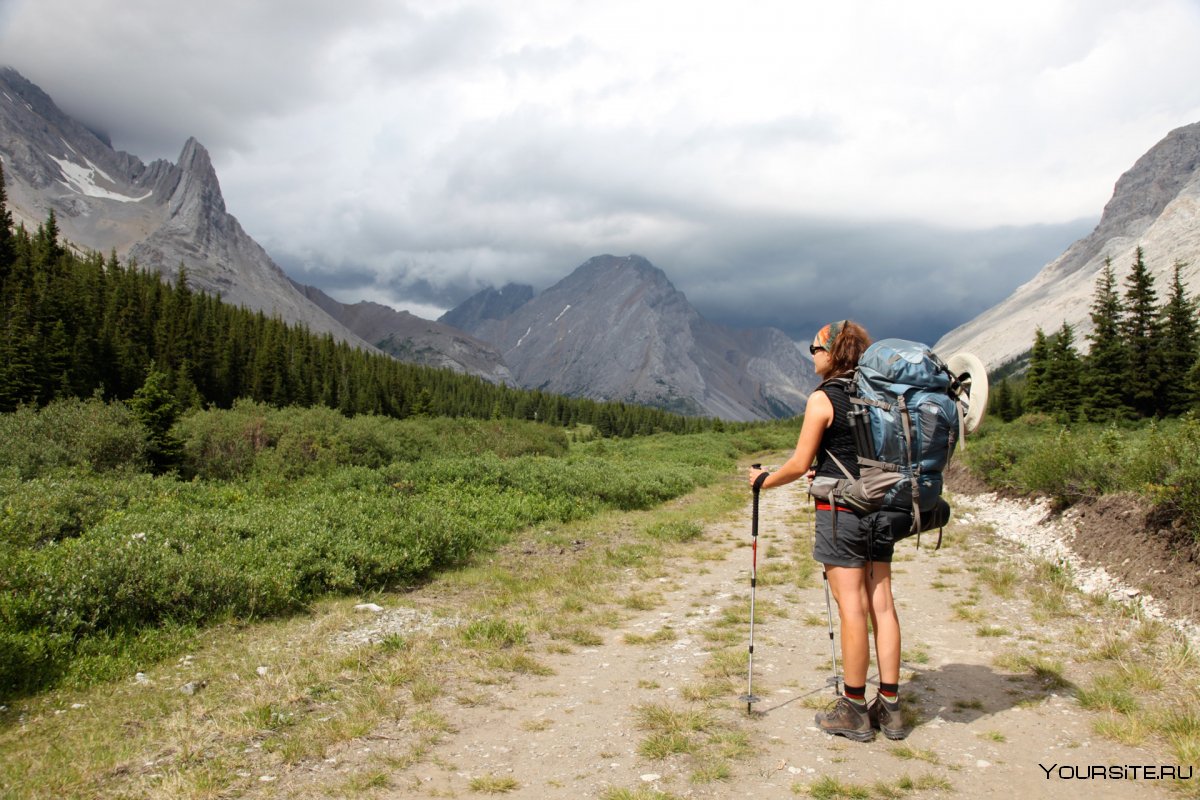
x=760, y=480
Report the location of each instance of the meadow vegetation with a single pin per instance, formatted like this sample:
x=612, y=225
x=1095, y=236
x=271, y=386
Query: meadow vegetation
x=105, y=566
x=1158, y=459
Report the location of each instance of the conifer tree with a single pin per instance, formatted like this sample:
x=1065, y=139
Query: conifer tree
x=156, y=408
x=6, y=223
x=1104, y=369
x=1193, y=383
x=1002, y=402
x=1141, y=329
x=1036, y=390
x=1179, y=349
x=1063, y=394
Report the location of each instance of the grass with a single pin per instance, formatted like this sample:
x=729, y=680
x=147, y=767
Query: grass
x=709, y=740
x=1107, y=694
x=661, y=636
x=992, y=631
x=909, y=753
x=1136, y=665
x=1047, y=671
x=641, y=793
x=312, y=698
x=1002, y=580
x=711, y=772
x=829, y=788
x=494, y=784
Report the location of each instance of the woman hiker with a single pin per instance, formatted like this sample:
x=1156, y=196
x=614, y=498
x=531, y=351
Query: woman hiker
x=861, y=581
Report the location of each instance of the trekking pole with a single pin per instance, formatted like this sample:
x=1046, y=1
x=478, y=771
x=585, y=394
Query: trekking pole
x=749, y=696
x=832, y=648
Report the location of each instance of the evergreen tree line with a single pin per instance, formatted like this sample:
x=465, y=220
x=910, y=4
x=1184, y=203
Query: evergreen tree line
x=1143, y=360
x=75, y=326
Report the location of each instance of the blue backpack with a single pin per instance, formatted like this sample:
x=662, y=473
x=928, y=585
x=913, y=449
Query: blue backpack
x=908, y=412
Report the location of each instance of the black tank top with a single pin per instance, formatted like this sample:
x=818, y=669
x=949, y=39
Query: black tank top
x=838, y=437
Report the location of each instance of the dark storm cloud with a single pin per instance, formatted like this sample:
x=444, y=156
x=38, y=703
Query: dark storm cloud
x=150, y=74
x=417, y=151
x=904, y=280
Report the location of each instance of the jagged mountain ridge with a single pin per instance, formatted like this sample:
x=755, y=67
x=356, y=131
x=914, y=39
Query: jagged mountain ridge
x=164, y=215
x=617, y=329
x=1155, y=205
x=160, y=214
x=413, y=339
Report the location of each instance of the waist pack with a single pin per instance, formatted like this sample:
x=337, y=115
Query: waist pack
x=908, y=411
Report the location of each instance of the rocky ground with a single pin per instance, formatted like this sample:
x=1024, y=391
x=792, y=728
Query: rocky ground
x=988, y=680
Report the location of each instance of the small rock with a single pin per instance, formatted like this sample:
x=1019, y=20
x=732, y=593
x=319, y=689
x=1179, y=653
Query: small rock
x=1131, y=593
x=262, y=671
x=267, y=778
x=191, y=687
x=981, y=763
x=141, y=678
x=373, y=608
x=649, y=777
x=78, y=705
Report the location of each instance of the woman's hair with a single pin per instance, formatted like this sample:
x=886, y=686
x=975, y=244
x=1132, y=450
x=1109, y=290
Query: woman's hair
x=845, y=342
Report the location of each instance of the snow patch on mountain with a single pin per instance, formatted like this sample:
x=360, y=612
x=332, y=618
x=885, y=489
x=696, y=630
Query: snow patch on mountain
x=83, y=180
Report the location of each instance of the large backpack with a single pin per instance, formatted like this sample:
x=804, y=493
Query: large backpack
x=909, y=410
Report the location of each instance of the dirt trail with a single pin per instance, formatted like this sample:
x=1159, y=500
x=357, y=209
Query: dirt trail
x=983, y=731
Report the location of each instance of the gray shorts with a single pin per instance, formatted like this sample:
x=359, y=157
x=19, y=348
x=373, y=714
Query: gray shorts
x=853, y=546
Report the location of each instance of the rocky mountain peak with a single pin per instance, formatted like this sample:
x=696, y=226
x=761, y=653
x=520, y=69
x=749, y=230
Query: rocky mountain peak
x=1155, y=180
x=1155, y=206
x=487, y=304
x=1140, y=195
x=196, y=198
x=161, y=215
x=630, y=270
x=616, y=328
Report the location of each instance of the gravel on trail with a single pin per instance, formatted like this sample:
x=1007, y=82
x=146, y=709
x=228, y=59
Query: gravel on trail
x=986, y=722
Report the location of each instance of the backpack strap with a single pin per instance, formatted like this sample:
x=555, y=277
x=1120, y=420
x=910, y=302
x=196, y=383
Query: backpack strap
x=916, y=490
x=840, y=465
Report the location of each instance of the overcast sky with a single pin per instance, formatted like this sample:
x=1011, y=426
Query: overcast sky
x=786, y=163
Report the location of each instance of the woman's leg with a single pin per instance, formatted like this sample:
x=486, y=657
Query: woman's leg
x=884, y=621
x=849, y=587
x=850, y=716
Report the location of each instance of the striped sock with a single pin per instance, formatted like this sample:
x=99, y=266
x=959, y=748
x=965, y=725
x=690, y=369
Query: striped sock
x=855, y=694
x=889, y=691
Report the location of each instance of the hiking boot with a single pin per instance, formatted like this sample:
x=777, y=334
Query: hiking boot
x=845, y=718
x=886, y=717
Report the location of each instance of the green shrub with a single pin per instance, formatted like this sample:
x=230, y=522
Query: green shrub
x=292, y=442
x=88, y=433
x=44, y=510
x=278, y=507
x=1158, y=459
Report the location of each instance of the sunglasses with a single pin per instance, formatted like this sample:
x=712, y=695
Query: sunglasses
x=813, y=349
